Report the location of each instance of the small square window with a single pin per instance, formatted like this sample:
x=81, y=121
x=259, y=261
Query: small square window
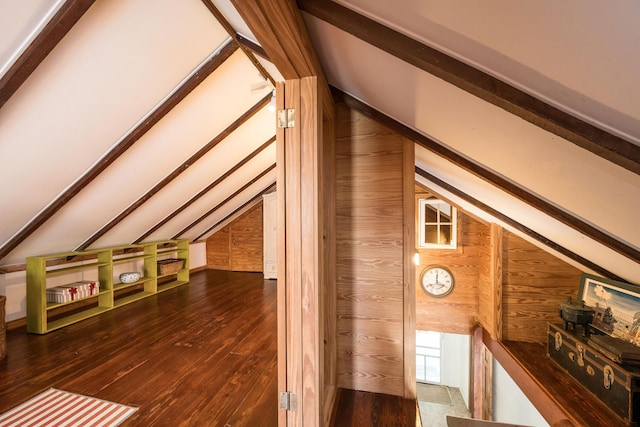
x=437, y=226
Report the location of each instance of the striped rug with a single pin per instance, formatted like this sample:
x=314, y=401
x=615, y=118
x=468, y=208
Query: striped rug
x=61, y=408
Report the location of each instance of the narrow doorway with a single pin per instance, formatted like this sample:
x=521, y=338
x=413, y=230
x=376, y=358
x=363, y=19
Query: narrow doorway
x=442, y=376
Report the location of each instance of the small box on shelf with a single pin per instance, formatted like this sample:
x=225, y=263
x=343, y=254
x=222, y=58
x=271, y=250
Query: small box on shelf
x=73, y=291
x=169, y=266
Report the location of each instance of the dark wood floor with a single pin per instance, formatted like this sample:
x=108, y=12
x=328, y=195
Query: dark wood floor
x=362, y=409
x=203, y=354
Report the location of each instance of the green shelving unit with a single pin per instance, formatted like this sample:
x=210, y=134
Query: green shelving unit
x=43, y=316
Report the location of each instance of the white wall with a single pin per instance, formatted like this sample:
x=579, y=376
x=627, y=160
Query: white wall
x=456, y=357
x=510, y=405
x=14, y=285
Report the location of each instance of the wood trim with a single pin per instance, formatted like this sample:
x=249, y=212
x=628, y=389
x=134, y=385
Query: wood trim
x=244, y=45
x=177, y=171
x=494, y=179
x=205, y=190
x=255, y=48
x=293, y=245
x=48, y=38
x=476, y=377
x=495, y=275
x=281, y=185
x=222, y=203
x=176, y=97
x=409, y=245
x=282, y=273
x=535, y=392
x=281, y=31
x=253, y=200
x=328, y=192
x=311, y=256
x=516, y=225
x=598, y=141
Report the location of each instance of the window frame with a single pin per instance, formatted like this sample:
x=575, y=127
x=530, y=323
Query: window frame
x=422, y=222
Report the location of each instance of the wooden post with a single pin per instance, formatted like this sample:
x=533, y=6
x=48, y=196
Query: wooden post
x=300, y=298
x=476, y=367
x=409, y=246
x=496, y=281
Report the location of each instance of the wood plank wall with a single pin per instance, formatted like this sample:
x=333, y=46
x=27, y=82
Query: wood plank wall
x=534, y=283
x=369, y=252
x=329, y=355
x=218, y=250
x=238, y=246
x=246, y=241
x=516, y=305
x=458, y=312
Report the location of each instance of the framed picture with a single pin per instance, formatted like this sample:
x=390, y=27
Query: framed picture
x=616, y=305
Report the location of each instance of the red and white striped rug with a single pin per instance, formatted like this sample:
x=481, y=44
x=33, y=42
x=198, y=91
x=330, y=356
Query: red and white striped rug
x=61, y=408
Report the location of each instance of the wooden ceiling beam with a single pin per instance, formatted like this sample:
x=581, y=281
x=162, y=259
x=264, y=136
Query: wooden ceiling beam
x=493, y=178
x=249, y=202
x=516, y=225
x=134, y=135
x=177, y=171
x=241, y=41
x=55, y=30
x=255, y=48
x=583, y=134
x=281, y=31
x=222, y=203
x=205, y=190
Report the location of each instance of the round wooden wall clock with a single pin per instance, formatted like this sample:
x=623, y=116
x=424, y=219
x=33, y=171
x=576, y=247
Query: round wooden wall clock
x=437, y=281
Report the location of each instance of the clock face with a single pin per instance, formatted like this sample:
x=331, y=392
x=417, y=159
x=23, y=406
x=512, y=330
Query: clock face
x=437, y=281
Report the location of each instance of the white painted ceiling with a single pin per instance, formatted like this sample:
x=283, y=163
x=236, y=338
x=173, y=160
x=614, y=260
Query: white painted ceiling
x=124, y=57
x=582, y=57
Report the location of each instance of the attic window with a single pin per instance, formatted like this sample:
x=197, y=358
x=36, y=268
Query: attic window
x=436, y=224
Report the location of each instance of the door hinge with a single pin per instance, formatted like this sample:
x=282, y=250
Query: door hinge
x=288, y=401
x=286, y=118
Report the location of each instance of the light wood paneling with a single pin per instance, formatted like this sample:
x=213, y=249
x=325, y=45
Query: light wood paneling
x=246, y=243
x=459, y=311
x=534, y=283
x=300, y=157
x=369, y=250
x=310, y=207
x=329, y=266
x=495, y=268
x=218, y=250
x=409, y=243
x=281, y=178
x=238, y=246
x=486, y=312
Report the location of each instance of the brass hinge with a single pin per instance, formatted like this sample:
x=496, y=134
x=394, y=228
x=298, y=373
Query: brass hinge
x=286, y=118
x=288, y=401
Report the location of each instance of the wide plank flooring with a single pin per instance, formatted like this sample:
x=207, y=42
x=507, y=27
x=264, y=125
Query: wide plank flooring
x=203, y=354
x=363, y=409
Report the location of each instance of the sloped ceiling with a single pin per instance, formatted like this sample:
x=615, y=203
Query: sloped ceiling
x=115, y=84
x=116, y=68
x=554, y=52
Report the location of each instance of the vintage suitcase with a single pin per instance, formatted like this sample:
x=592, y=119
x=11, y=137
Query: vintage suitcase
x=619, y=351
x=616, y=386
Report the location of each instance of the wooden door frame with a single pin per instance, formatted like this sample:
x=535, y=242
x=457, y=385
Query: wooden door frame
x=300, y=254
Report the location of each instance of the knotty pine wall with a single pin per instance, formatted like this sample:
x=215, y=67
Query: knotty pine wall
x=370, y=255
x=533, y=283
x=458, y=312
x=238, y=246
